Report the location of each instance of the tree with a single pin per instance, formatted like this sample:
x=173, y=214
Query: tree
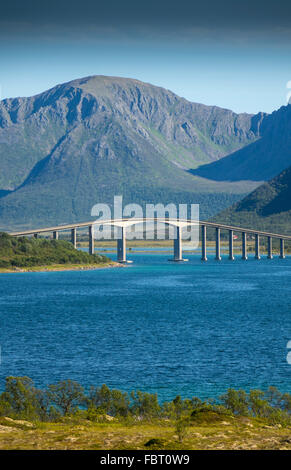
x=274, y=397
x=66, y=395
x=178, y=406
x=22, y=399
x=113, y=402
x=119, y=405
x=286, y=402
x=258, y=405
x=236, y=401
x=100, y=398
x=145, y=404
x=181, y=428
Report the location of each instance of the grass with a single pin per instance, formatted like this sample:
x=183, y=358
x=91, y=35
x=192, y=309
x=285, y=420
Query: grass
x=230, y=433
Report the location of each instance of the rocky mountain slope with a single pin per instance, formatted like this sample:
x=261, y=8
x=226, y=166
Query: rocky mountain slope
x=262, y=159
x=267, y=208
x=84, y=141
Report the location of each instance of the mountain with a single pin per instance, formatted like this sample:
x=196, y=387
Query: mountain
x=266, y=208
x=262, y=159
x=87, y=140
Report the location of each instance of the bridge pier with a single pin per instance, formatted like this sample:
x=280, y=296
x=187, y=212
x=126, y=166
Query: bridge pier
x=91, y=240
x=121, y=245
x=244, y=246
x=74, y=237
x=282, y=248
x=230, y=249
x=55, y=235
x=203, y=243
x=178, y=246
x=35, y=235
x=178, y=251
x=217, y=245
x=257, y=246
x=270, y=248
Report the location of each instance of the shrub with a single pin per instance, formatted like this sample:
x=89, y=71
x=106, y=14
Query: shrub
x=155, y=443
x=181, y=428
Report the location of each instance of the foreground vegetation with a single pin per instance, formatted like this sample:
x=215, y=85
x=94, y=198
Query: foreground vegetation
x=65, y=417
x=30, y=253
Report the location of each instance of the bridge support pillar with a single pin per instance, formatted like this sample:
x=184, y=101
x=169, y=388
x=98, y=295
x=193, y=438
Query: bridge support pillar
x=203, y=242
x=270, y=248
x=282, y=248
x=55, y=235
x=35, y=235
x=244, y=246
x=121, y=245
x=91, y=240
x=217, y=246
x=178, y=245
x=74, y=237
x=257, y=246
x=230, y=245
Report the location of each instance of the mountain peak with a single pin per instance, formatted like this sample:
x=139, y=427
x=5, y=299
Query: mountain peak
x=91, y=138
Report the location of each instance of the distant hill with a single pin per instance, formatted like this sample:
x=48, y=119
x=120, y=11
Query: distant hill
x=266, y=208
x=85, y=141
x=260, y=160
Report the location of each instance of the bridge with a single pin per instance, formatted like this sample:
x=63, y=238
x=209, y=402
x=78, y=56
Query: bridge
x=179, y=224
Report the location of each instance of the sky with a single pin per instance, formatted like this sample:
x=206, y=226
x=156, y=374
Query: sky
x=231, y=54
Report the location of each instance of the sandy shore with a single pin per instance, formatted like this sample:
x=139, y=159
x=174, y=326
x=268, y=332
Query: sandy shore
x=61, y=267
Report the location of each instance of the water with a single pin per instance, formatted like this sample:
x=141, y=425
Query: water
x=173, y=328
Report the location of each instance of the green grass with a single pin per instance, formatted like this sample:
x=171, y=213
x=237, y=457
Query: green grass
x=231, y=433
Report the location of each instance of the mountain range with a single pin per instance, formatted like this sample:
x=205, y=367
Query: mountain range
x=267, y=208
x=84, y=141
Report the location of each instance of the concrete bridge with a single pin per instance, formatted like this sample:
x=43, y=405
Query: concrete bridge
x=124, y=223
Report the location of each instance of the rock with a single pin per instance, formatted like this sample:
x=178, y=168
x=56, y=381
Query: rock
x=19, y=421
x=7, y=428
x=109, y=418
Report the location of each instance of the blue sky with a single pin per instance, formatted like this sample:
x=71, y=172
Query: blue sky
x=240, y=65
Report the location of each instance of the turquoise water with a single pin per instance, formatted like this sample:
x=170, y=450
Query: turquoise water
x=190, y=328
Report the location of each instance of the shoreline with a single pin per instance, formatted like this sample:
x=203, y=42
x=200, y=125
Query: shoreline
x=61, y=267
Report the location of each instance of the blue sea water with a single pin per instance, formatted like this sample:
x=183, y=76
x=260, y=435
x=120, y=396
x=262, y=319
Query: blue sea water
x=172, y=328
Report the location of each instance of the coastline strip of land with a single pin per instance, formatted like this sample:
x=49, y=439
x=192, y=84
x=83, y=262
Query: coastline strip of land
x=61, y=267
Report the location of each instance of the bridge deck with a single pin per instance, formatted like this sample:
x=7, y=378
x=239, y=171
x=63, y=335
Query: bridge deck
x=116, y=222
